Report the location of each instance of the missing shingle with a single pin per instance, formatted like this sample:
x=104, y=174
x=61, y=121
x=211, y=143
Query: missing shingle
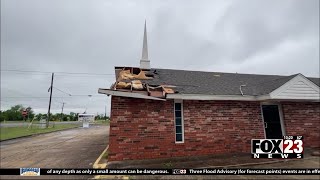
x=148, y=74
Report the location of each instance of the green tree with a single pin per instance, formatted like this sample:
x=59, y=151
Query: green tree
x=12, y=114
x=40, y=116
x=65, y=118
x=30, y=113
x=15, y=113
x=44, y=116
x=2, y=116
x=16, y=108
x=53, y=117
x=73, y=116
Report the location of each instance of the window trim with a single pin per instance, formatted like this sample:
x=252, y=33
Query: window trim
x=182, y=121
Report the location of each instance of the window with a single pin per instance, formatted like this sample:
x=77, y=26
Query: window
x=178, y=116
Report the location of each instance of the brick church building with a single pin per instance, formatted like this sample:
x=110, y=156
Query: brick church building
x=161, y=113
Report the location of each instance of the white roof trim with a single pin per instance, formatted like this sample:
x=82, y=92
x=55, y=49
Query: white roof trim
x=127, y=94
x=298, y=88
x=231, y=97
x=213, y=97
x=199, y=96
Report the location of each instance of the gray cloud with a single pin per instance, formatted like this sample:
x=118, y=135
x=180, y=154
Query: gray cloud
x=266, y=37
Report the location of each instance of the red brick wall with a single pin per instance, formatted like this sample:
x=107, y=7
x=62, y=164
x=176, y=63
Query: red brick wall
x=141, y=129
x=303, y=119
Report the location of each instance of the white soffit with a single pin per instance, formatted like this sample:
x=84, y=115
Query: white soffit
x=299, y=88
x=127, y=94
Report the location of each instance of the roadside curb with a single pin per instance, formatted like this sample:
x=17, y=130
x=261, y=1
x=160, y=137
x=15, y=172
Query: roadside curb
x=96, y=165
x=37, y=134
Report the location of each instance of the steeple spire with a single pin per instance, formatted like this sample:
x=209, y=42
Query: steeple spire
x=145, y=62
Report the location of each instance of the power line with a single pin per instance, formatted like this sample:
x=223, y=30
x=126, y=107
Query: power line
x=61, y=72
x=62, y=91
x=17, y=91
x=63, y=75
x=30, y=97
x=59, y=96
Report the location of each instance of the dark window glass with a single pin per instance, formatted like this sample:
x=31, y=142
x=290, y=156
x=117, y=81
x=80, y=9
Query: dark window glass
x=178, y=129
x=178, y=113
x=178, y=121
x=177, y=106
x=178, y=137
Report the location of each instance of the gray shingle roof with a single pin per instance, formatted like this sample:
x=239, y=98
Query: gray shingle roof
x=315, y=80
x=219, y=83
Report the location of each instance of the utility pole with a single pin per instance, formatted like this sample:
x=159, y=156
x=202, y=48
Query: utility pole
x=47, y=125
x=62, y=111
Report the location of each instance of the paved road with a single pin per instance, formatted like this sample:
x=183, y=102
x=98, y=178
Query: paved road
x=74, y=148
x=25, y=124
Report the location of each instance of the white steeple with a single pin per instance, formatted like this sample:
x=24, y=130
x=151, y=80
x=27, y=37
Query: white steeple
x=145, y=62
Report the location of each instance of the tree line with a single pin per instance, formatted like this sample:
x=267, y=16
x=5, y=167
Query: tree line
x=15, y=114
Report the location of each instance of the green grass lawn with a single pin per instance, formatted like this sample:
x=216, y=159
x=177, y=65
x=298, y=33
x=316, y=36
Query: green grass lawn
x=13, y=132
x=8, y=122
x=102, y=122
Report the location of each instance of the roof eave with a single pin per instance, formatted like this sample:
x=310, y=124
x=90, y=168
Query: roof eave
x=204, y=97
x=127, y=94
x=213, y=97
x=235, y=98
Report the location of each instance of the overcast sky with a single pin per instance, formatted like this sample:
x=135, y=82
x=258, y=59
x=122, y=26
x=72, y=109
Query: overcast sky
x=264, y=37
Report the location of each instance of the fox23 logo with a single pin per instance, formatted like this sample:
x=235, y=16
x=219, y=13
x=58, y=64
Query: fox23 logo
x=179, y=171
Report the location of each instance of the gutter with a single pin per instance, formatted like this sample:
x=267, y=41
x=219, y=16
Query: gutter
x=214, y=97
x=201, y=96
x=233, y=98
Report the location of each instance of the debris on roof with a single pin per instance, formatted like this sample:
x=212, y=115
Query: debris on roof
x=135, y=80
x=168, y=90
x=127, y=74
x=157, y=83
x=137, y=85
x=155, y=91
x=123, y=85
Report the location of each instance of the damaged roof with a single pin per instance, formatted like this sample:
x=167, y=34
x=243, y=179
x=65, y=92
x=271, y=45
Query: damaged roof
x=158, y=83
x=218, y=83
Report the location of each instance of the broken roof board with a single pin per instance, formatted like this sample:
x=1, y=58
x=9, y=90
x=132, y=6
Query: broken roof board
x=127, y=94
